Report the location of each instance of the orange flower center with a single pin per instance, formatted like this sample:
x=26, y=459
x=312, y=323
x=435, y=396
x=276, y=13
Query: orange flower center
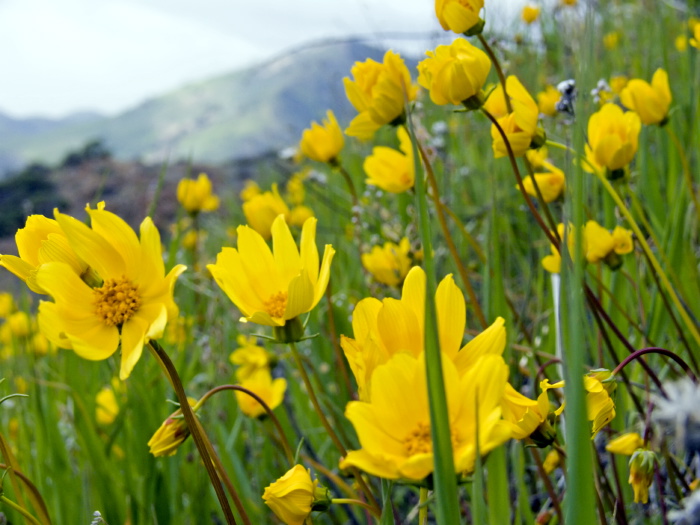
x=116, y=301
x=418, y=441
x=276, y=304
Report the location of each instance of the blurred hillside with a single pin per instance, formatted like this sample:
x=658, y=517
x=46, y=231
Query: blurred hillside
x=239, y=115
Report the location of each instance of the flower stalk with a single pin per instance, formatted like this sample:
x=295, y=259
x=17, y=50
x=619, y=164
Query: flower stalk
x=444, y=476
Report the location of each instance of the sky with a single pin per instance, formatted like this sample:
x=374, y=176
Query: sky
x=63, y=56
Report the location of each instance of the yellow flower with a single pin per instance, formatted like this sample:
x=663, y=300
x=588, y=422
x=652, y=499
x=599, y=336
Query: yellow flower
x=551, y=461
x=295, y=188
x=250, y=190
x=458, y=15
x=612, y=138
x=537, y=157
x=379, y=92
x=642, y=474
x=611, y=40
x=599, y=405
x=191, y=239
x=530, y=14
x=389, y=264
x=131, y=306
x=551, y=184
x=394, y=427
x=389, y=169
x=19, y=324
x=625, y=444
x=41, y=345
x=323, y=143
x=299, y=215
x=271, y=391
x=7, y=304
x=107, y=408
x=262, y=209
x=569, y=2
x=601, y=245
x=41, y=241
x=249, y=357
x=196, y=195
x=681, y=43
x=618, y=83
x=552, y=263
x=454, y=74
x=272, y=287
x=547, y=100
x=695, y=39
x=382, y=329
x=293, y=496
x=529, y=418
x=520, y=126
x=171, y=434
x=649, y=101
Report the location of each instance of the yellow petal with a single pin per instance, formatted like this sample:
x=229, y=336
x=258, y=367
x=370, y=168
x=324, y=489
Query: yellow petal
x=491, y=341
x=451, y=316
x=286, y=253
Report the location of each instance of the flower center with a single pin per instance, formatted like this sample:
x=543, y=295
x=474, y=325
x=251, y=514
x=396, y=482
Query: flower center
x=116, y=301
x=276, y=304
x=418, y=441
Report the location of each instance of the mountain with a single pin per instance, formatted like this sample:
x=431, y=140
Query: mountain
x=235, y=116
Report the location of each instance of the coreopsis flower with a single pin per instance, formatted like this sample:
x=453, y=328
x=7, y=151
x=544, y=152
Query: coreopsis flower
x=547, y=100
x=389, y=169
x=250, y=190
x=19, y=324
x=551, y=461
x=389, y=264
x=295, y=188
x=128, y=307
x=394, y=427
x=618, y=83
x=262, y=209
x=293, y=496
x=625, y=444
x=299, y=215
x=379, y=92
x=171, y=434
x=41, y=241
x=323, y=143
x=530, y=418
x=260, y=382
x=642, y=466
x=530, y=14
x=382, y=329
x=7, y=304
x=551, y=184
x=107, y=408
x=552, y=263
x=681, y=43
x=272, y=287
x=649, y=101
x=611, y=40
x=459, y=16
x=695, y=39
x=520, y=126
x=602, y=245
x=599, y=386
x=249, y=357
x=455, y=74
x=196, y=195
x=613, y=137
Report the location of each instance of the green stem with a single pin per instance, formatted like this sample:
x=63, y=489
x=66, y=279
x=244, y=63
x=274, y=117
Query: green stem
x=450, y=242
x=326, y=424
x=423, y=506
x=499, y=70
x=647, y=250
x=360, y=503
x=192, y=426
x=686, y=169
x=283, y=438
x=21, y=510
x=444, y=476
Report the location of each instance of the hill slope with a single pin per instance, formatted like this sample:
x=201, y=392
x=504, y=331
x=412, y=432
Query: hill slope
x=238, y=115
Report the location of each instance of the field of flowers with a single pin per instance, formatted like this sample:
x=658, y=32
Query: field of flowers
x=503, y=325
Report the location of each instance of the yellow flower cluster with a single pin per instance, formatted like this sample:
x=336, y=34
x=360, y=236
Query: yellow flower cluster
x=109, y=287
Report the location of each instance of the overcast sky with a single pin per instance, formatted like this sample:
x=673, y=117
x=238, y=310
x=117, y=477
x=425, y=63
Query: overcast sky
x=62, y=56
